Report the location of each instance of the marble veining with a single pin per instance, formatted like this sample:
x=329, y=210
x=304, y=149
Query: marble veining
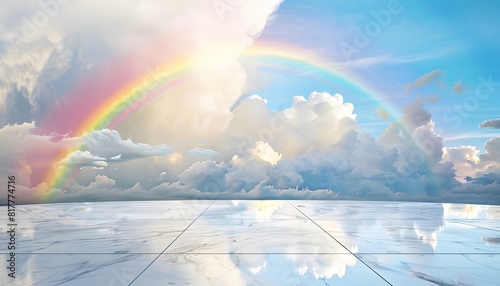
x=254, y=243
x=255, y=236
x=259, y=269
x=75, y=269
x=436, y=269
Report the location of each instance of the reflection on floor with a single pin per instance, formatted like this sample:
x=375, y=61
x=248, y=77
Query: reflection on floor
x=254, y=243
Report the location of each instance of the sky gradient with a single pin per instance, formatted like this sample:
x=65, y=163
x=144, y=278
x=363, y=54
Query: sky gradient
x=149, y=100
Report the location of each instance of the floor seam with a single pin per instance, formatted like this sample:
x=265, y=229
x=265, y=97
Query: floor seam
x=159, y=255
x=358, y=258
x=259, y=253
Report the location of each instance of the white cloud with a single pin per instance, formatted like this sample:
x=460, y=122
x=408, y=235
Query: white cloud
x=464, y=158
x=109, y=144
x=319, y=107
x=263, y=151
x=100, y=147
x=82, y=159
x=201, y=110
x=321, y=119
x=117, y=157
x=484, y=185
x=77, y=36
x=355, y=165
x=492, y=151
x=405, y=163
x=31, y=156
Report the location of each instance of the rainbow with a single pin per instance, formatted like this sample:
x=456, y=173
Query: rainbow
x=306, y=63
x=119, y=105
x=116, y=108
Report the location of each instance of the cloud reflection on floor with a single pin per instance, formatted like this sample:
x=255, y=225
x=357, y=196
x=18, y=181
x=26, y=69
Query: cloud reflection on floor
x=255, y=243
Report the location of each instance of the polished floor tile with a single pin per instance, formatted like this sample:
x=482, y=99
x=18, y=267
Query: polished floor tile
x=258, y=269
x=111, y=210
x=436, y=269
x=354, y=210
x=254, y=243
x=97, y=236
x=75, y=269
x=412, y=236
x=255, y=236
x=250, y=209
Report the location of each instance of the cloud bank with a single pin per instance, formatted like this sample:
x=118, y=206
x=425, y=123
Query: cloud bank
x=272, y=159
x=201, y=139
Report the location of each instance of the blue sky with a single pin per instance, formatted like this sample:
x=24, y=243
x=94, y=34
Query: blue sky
x=458, y=37
x=185, y=113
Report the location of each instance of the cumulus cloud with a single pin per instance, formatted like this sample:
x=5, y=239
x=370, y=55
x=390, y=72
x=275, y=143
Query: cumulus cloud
x=415, y=115
x=406, y=162
x=490, y=160
x=481, y=171
x=433, y=76
x=354, y=165
x=319, y=106
x=31, y=156
x=262, y=150
x=42, y=62
x=465, y=160
x=321, y=119
x=309, y=124
x=201, y=109
x=491, y=123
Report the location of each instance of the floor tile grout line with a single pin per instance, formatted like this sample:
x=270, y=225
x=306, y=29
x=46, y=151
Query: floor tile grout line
x=341, y=244
x=260, y=253
x=159, y=255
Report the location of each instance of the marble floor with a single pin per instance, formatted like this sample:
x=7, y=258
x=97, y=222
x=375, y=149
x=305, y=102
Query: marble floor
x=253, y=243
